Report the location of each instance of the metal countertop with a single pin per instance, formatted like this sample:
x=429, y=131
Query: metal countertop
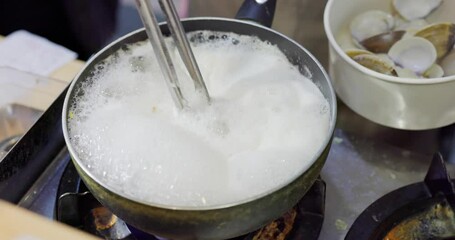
x=366, y=160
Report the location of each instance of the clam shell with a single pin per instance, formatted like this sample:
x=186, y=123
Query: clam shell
x=406, y=73
x=414, y=53
x=435, y=71
x=442, y=35
x=375, y=63
x=386, y=58
x=414, y=9
x=354, y=52
x=383, y=42
x=448, y=64
x=410, y=26
x=371, y=23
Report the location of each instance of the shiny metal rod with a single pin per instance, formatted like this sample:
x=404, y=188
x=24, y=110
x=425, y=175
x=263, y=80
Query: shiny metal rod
x=178, y=33
x=162, y=53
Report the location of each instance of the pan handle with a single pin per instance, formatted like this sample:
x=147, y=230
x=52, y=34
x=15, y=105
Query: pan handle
x=260, y=11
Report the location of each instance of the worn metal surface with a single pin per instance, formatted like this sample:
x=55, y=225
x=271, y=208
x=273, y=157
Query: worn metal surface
x=15, y=120
x=366, y=160
x=361, y=169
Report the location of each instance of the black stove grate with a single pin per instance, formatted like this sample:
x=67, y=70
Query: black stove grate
x=77, y=207
x=408, y=202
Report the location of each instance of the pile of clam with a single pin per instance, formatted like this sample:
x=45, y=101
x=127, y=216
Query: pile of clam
x=403, y=43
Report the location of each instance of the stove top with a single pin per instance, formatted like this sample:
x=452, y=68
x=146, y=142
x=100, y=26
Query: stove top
x=77, y=207
x=364, y=164
x=422, y=210
x=37, y=174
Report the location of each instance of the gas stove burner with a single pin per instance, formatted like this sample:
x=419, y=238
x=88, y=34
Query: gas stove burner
x=423, y=210
x=77, y=207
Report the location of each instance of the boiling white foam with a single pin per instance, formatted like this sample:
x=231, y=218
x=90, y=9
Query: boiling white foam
x=265, y=123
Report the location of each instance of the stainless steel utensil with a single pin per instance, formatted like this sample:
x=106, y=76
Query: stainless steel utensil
x=162, y=53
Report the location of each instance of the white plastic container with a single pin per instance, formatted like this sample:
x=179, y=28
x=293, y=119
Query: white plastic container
x=403, y=103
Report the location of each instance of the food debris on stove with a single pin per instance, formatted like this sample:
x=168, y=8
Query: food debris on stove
x=437, y=222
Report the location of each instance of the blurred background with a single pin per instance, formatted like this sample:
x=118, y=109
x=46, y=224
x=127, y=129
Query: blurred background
x=291, y=19
x=85, y=26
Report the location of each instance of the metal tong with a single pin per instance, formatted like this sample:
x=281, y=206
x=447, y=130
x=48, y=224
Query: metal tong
x=162, y=53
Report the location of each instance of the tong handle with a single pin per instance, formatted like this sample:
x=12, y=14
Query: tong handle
x=183, y=45
x=159, y=48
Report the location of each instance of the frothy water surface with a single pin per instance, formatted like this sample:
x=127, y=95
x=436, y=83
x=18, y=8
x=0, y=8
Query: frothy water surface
x=264, y=125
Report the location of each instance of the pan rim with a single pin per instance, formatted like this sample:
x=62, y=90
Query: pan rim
x=326, y=142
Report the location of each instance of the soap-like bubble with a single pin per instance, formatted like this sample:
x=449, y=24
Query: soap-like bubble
x=265, y=123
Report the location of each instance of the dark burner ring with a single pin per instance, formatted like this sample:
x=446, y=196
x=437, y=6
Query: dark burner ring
x=405, y=203
x=77, y=207
x=380, y=217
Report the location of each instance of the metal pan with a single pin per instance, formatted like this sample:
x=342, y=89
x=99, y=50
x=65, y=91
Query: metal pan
x=225, y=221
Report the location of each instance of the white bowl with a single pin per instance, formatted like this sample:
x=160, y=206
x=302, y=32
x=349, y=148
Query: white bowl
x=403, y=103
